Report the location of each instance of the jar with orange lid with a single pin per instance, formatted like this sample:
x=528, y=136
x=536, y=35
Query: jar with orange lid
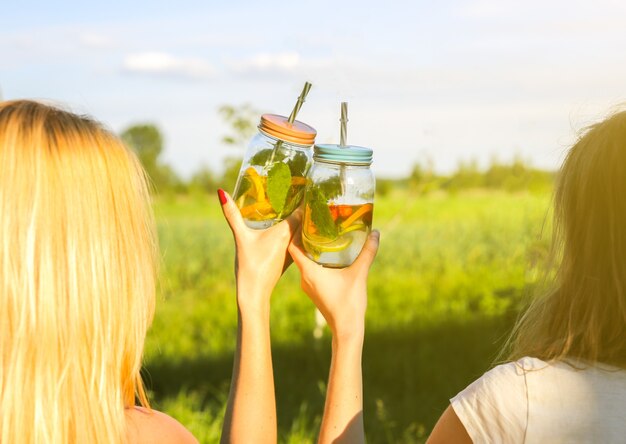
x=272, y=178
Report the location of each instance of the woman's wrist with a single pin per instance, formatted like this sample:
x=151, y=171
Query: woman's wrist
x=349, y=335
x=252, y=302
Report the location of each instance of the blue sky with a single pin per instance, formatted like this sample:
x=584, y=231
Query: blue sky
x=449, y=80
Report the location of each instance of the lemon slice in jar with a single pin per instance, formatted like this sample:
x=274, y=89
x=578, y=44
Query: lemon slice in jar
x=334, y=246
x=353, y=227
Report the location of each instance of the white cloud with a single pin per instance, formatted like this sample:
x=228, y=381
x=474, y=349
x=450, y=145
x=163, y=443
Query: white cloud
x=168, y=65
x=96, y=41
x=489, y=9
x=267, y=63
x=557, y=16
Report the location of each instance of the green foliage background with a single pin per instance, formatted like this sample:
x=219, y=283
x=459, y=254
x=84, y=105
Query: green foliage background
x=443, y=293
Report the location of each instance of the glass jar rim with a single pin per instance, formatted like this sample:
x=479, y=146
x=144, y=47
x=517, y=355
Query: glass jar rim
x=343, y=155
x=340, y=163
x=280, y=128
x=287, y=142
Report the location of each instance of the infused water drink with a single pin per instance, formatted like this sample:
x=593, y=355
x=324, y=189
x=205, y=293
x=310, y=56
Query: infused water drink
x=340, y=243
x=253, y=199
x=339, y=204
x=272, y=177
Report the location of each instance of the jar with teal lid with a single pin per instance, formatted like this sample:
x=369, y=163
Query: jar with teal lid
x=339, y=204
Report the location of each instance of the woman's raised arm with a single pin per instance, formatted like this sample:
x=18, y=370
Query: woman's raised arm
x=341, y=296
x=261, y=258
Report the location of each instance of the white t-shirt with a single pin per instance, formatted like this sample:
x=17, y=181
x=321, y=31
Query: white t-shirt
x=531, y=401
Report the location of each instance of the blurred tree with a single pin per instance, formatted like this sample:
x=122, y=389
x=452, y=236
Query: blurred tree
x=384, y=186
x=467, y=175
x=230, y=173
x=147, y=142
x=423, y=179
x=242, y=121
x=168, y=180
x=203, y=180
x=417, y=175
x=518, y=175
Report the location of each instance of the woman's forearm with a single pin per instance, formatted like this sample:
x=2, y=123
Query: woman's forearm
x=251, y=411
x=343, y=411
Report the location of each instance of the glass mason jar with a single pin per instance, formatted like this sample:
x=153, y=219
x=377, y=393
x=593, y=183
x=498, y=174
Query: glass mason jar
x=339, y=204
x=272, y=178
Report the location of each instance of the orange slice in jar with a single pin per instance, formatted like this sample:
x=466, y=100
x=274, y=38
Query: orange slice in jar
x=358, y=213
x=345, y=211
x=258, y=211
x=257, y=182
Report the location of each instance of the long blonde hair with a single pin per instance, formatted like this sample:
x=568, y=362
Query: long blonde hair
x=77, y=277
x=584, y=315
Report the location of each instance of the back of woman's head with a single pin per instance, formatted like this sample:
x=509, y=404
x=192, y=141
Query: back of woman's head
x=585, y=315
x=77, y=276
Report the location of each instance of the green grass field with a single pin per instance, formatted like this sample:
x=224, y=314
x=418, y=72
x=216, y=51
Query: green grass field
x=443, y=293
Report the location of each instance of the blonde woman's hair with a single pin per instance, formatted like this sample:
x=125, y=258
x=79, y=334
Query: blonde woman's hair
x=584, y=315
x=77, y=277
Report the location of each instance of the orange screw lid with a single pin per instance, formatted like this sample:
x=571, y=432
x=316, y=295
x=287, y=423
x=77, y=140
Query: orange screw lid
x=279, y=127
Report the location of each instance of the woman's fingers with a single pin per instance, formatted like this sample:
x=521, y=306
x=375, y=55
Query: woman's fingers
x=231, y=213
x=296, y=252
x=294, y=221
x=291, y=224
x=368, y=253
x=287, y=263
x=287, y=230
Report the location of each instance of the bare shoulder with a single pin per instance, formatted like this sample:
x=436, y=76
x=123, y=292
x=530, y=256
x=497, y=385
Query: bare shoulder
x=154, y=427
x=449, y=428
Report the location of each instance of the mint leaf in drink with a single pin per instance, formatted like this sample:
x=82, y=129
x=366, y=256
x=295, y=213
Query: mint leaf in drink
x=331, y=187
x=317, y=198
x=320, y=214
x=262, y=157
x=293, y=199
x=278, y=184
x=298, y=165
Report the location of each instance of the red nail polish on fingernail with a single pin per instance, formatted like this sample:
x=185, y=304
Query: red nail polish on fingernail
x=222, y=196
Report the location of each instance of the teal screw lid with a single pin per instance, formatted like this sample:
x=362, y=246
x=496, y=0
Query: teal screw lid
x=349, y=154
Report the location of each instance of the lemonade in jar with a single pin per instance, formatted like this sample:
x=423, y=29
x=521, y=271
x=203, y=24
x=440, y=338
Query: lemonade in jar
x=272, y=177
x=339, y=201
x=339, y=204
